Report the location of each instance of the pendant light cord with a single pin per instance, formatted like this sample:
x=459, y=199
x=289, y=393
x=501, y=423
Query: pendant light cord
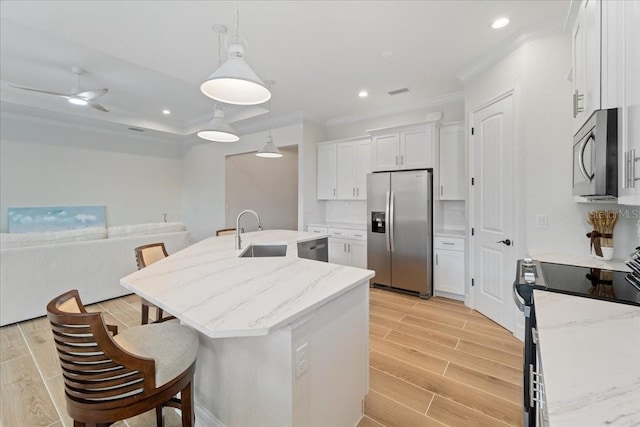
x=269, y=84
x=237, y=17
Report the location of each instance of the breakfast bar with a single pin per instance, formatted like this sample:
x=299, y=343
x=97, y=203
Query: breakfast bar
x=283, y=340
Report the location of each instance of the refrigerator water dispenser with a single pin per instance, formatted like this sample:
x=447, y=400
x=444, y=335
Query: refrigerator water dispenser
x=377, y=222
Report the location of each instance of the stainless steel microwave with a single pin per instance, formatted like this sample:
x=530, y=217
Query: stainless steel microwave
x=595, y=157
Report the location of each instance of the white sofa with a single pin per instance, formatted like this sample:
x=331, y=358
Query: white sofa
x=31, y=276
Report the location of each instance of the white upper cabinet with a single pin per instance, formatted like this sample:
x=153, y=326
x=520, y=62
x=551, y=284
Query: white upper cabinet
x=406, y=147
x=326, y=173
x=586, y=62
x=363, y=167
x=342, y=169
x=452, y=164
x=629, y=122
x=385, y=152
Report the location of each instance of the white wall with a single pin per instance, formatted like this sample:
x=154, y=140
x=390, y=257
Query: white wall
x=44, y=163
x=203, y=196
x=267, y=186
x=538, y=71
x=311, y=210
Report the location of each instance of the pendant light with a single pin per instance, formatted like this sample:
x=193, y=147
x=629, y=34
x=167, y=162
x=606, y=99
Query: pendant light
x=218, y=129
x=234, y=82
x=269, y=149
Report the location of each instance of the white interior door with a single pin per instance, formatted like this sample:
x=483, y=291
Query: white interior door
x=493, y=257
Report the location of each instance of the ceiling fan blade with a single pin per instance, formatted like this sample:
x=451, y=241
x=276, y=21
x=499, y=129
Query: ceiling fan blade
x=46, y=92
x=96, y=106
x=92, y=94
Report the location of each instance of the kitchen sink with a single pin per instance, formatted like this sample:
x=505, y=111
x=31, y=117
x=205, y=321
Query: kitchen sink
x=256, y=250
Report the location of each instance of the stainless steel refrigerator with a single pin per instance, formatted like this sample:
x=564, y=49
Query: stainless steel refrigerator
x=400, y=230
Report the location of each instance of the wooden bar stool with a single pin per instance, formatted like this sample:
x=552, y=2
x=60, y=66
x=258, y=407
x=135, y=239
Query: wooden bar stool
x=225, y=231
x=147, y=255
x=109, y=376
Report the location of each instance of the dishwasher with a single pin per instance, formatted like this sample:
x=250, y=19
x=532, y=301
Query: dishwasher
x=317, y=250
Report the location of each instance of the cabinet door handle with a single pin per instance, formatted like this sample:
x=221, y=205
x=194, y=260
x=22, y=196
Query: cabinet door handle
x=349, y=247
x=448, y=243
x=576, y=103
x=436, y=259
x=401, y=159
x=441, y=189
x=345, y=247
x=334, y=191
x=396, y=160
x=358, y=191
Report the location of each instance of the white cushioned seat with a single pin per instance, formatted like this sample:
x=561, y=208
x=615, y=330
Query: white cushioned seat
x=174, y=347
x=22, y=240
x=118, y=231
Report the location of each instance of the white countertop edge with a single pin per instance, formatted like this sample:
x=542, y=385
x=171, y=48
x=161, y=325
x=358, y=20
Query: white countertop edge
x=582, y=261
x=347, y=225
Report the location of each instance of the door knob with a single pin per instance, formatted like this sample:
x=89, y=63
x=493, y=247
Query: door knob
x=506, y=242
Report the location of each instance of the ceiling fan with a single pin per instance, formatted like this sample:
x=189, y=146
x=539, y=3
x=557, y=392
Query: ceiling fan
x=77, y=95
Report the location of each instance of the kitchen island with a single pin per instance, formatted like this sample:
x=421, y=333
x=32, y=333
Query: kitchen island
x=283, y=340
x=589, y=354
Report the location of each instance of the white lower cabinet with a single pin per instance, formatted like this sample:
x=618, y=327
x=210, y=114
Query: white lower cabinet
x=448, y=265
x=348, y=247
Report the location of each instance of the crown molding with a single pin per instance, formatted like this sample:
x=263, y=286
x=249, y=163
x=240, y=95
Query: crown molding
x=545, y=29
x=429, y=102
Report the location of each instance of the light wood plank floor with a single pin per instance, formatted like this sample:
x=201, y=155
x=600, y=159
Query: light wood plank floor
x=433, y=362
x=438, y=363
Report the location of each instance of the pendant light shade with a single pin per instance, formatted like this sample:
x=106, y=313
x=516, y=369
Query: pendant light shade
x=269, y=149
x=234, y=82
x=218, y=129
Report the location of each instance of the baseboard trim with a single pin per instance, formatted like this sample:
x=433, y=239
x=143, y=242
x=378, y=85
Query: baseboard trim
x=205, y=418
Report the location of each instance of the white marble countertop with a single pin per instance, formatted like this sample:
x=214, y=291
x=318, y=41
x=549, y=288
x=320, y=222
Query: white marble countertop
x=582, y=261
x=590, y=360
x=352, y=225
x=208, y=287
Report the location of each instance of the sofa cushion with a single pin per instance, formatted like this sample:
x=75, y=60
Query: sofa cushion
x=21, y=240
x=144, y=229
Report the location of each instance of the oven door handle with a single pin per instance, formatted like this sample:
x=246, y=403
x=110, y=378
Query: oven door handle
x=516, y=298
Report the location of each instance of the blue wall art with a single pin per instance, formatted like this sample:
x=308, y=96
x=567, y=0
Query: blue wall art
x=32, y=220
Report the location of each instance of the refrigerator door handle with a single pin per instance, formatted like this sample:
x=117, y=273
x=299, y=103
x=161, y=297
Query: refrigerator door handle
x=386, y=215
x=391, y=221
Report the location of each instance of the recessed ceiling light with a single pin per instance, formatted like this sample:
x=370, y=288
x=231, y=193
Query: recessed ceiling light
x=500, y=23
x=363, y=94
x=166, y=112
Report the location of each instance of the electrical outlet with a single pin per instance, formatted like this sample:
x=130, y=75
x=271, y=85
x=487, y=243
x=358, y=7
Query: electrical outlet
x=542, y=221
x=302, y=359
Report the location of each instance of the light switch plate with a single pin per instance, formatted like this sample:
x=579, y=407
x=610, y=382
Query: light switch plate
x=542, y=221
x=302, y=359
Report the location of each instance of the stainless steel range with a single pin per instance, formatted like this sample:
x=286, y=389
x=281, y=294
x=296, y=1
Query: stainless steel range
x=613, y=286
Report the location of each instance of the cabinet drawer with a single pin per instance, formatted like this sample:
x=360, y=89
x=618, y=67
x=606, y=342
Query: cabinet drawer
x=358, y=234
x=317, y=229
x=347, y=233
x=450, y=243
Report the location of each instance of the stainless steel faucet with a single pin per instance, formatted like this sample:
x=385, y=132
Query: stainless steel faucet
x=238, y=240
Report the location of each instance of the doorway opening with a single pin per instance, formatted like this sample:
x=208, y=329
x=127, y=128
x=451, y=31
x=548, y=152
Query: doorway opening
x=267, y=186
